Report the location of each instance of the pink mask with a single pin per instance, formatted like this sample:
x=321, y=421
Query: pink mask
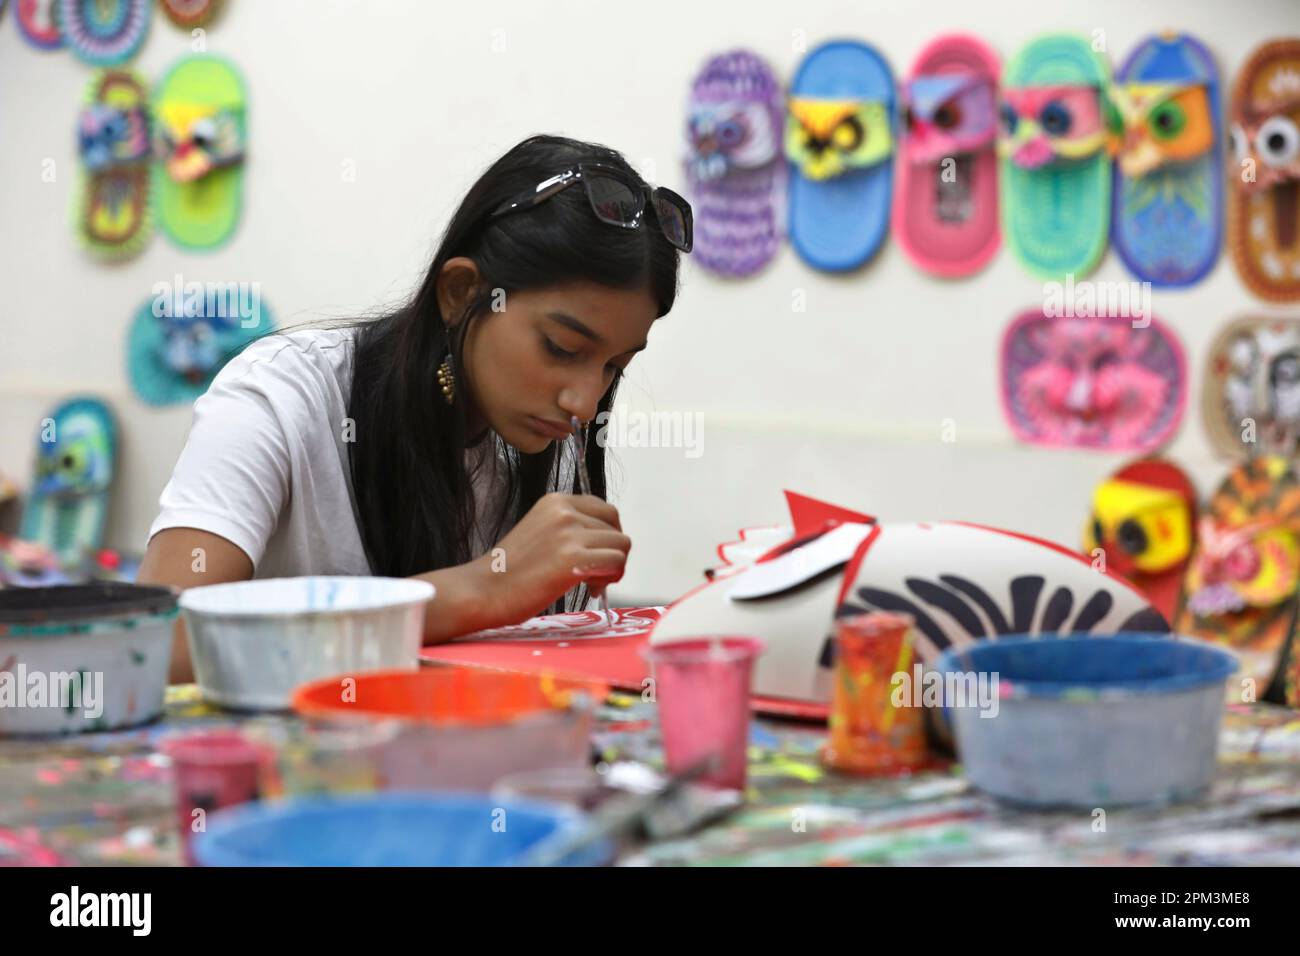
x=1092, y=382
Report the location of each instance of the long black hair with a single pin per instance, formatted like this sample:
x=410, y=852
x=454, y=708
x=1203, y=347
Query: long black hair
x=413, y=494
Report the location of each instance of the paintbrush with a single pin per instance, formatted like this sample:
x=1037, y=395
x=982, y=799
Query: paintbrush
x=616, y=818
x=584, y=487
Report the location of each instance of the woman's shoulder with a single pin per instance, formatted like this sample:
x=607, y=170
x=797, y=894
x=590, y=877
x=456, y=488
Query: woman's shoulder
x=326, y=348
x=293, y=357
x=300, y=378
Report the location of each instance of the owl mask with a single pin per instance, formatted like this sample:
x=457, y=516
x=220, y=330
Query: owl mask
x=1046, y=124
x=948, y=114
x=192, y=139
x=1151, y=124
x=828, y=137
x=730, y=135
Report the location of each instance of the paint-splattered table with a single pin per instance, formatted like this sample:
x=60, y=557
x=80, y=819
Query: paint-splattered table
x=797, y=813
x=106, y=799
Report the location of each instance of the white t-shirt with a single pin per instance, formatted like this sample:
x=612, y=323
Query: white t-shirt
x=266, y=462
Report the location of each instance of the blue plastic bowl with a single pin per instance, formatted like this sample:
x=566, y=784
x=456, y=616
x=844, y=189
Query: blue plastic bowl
x=1078, y=664
x=1090, y=721
x=389, y=829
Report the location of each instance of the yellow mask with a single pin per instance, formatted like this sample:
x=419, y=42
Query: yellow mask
x=1139, y=525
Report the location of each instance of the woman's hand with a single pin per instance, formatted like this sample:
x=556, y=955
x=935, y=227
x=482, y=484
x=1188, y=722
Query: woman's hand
x=562, y=540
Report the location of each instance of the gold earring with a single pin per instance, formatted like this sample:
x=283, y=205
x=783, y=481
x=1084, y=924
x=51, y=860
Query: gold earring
x=447, y=380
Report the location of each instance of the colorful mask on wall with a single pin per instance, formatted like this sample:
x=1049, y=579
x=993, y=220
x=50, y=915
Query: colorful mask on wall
x=734, y=164
x=189, y=13
x=946, y=213
x=67, y=504
x=827, y=138
x=839, y=141
x=1047, y=124
x=948, y=114
x=1144, y=521
x=199, y=142
x=1251, y=396
x=1264, y=205
x=1168, y=198
x=1242, y=587
x=173, y=354
x=1092, y=382
x=1055, y=181
x=105, y=32
x=38, y=23
x=112, y=217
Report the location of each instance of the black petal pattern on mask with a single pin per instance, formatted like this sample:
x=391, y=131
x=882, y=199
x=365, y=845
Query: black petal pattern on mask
x=981, y=598
x=946, y=600
x=963, y=600
x=1058, y=609
x=1024, y=601
x=1148, y=621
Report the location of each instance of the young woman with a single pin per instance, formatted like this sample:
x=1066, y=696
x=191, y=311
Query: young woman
x=434, y=442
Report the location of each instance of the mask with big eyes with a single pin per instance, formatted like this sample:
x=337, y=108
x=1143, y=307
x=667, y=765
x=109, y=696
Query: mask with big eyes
x=722, y=137
x=1150, y=124
x=193, y=140
x=947, y=114
x=1139, y=527
x=1045, y=124
x=1271, y=141
x=827, y=138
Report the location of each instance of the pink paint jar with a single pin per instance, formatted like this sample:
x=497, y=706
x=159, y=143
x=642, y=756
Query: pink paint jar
x=702, y=687
x=213, y=769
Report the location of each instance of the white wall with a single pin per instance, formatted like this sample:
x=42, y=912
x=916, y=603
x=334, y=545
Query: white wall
x=844, y=400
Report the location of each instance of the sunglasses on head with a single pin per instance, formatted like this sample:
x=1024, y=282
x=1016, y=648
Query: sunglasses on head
x=616, y=198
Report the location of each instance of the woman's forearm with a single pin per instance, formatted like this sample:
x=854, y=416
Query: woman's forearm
x=462, y=601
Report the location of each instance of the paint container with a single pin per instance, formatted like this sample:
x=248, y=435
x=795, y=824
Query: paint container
x=870, y=733
x=702, y=687
x=83, y=657
x=1093, y=722
x=253, y=642
x=319, y=758
x=213, y=769
x=462, y=728
x=391, y=829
